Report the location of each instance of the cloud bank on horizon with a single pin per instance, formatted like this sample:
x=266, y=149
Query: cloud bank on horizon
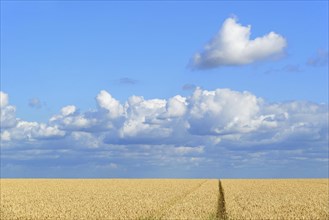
x=232, y=46
x=180, y=130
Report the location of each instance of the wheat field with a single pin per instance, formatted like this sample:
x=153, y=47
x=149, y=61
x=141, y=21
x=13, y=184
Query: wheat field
x=276, y=198
x=107, y=199
x=164, y=199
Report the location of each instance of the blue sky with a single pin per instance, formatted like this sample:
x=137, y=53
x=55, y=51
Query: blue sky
x=160, y=89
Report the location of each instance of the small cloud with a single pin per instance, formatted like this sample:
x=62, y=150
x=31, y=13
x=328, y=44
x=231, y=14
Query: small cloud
x=189, y=87
x=290, y=68
x=232, y=46
x=35, y=103
x=320, y=59
x=128, y=81
x=68, y=110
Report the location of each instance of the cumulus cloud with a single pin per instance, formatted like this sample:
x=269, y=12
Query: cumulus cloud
x=8, y=117
x=204, y=127
x=204, y=118
x=68, y=110
x=223, y=111
x=232, y=46
x=15, y=129
x=71, y=119
x=8, y=112
x=5, y=136
x=107, y=102
x=3, y=99
x=42, y=131
x=144, y=121
x=30, y=132
x=176, y=106
x=85, y=138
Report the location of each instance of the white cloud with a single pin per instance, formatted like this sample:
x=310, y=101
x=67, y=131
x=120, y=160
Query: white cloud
x=68, y=110
x=8, y=116
x=44, y=131
x=207, y=128
x=71, y=119
x=15, y=130
x=144, y=119
x=23, y=130
x=8, y=112
x=5, y=136
x=31, y=131
x=3, y=99
x=223, y=111
x=113, y=106
x=196, y=129
x=176, y=106
x=232, y=46
x=84, y=138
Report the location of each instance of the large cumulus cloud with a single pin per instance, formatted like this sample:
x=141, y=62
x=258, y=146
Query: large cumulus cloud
x=205, y=115
x=205, y=127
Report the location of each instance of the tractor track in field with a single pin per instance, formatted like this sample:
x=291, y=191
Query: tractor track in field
x=159, y=213
x=221, y=209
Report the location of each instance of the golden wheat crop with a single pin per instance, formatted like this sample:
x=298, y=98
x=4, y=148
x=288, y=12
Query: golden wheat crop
x=199, y=203
x=276, y=199
x=163, y=199
x=105, y=199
